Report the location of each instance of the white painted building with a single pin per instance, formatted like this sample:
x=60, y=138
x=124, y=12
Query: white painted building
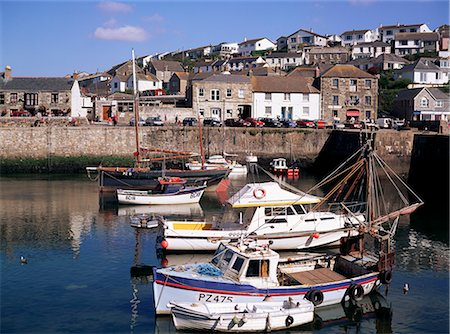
x=225, y=49
x=247, y=47
x=285, y=61
x=79, y=104
x=358, y=36
x=387, y=33
x=285, y=97
x=370, y=50
x=423, y=72
x=144, y=82
x=303, y=37
x=416, y=42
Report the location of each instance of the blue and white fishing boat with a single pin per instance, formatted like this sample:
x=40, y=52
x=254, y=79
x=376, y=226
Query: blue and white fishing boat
x=241, y=272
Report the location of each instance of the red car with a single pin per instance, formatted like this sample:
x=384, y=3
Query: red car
x=20, y=113
x=254, y=122
x=305, y=124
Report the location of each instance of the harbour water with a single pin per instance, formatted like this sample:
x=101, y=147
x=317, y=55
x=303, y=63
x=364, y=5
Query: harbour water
x=79, y=248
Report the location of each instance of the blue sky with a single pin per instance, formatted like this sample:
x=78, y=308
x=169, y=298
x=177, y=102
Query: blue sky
x=54, y=38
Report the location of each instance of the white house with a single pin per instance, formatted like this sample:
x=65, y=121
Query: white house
x=225, y=49
x=304, y=37
x=285, y=98
x=119, y=83
x=144, y=82
x=241, y=63
x=387, y=33
x=79, y=104
x=423, y=72
x=247, y=47
x=285, y=61
x=370, y=50
x=407, y=43
x=358, y=36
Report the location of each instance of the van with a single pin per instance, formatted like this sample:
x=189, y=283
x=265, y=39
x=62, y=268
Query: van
x=384, y=123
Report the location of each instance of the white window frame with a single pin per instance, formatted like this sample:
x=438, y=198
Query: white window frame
x=305, y=111
x=241, y=93
x=424, y=102
x=306, y=97
x=215, y=95
x=287, y=96
x=201, y=92
x=268, y=96
x=268, y=110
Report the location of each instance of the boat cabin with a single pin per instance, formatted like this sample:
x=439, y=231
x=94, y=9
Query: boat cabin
x=279, y=164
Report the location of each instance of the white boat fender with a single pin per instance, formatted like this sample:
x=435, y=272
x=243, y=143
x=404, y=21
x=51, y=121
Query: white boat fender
x=235, y=320
x=355, y=292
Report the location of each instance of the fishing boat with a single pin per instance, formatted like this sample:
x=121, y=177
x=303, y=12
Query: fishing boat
x=218, y=161
x=245, y=271
x=141, y=176
x=241, y=317
x=271, y=214
x=279, y=166
x=171, y=191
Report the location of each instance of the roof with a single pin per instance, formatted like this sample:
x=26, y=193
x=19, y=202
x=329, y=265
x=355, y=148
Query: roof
x=276, y=84
x=228, y=78
x=37, y=84
x=238, y=60
x=304, y=72
x=307, y=31
x=408, y=94
x=423, y=36
x=390, y=58
x=353, y=32
x=254, y=40
x=346, y=71
x=274, y=195
x=200, y=75
x=423, y=64
x=322, y=50
x=400, y=26
x=167, y=65
x=284, y=55
x=438, y=94
x=376, y=44
x=182, y=75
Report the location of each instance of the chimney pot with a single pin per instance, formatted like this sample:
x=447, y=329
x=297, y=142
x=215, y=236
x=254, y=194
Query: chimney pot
x=75, y=75
x=8, y=71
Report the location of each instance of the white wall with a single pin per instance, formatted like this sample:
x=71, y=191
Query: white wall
x=77, y=102
x=277, y=102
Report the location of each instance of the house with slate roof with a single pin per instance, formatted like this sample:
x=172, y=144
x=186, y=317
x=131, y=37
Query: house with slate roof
x=178, y=83
x=423, y=72
x=285, y=97
x=407, y=43
x=326, y=55
x=384, y=62
x=387, y=33
x=284, y=60
x=244, y=63
x=353, y=37
x=222, y=96
x=348, y=93
x=370, y=50
x=163, y=70
x=424, y=104
x=56, y=96
x=302, y=37
x=247, y=47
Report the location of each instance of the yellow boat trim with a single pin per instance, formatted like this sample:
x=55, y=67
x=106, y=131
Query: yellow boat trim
x=192, y=226
x=249, y=205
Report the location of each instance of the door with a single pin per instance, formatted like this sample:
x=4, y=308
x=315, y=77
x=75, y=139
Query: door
x=106, y=112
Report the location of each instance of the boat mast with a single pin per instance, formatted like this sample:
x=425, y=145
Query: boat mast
x=136, y=111
x=200, y=134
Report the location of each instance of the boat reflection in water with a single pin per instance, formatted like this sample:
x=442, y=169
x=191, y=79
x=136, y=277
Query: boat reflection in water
x=193, y=209
x=373, y=314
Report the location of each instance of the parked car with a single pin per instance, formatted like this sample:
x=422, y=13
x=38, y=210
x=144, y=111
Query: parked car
x=254, y=122
x=211, y=121
x=154, y=121
x=368, y=124
x=385, y=122
x=398, y=124
x=190, y=121
x=288, y=123
x=237, y=122
x=305, y=124
x=270, y=122
x=133, y=121
x=338, y=125
x=353, y=125
x=20, y=113
x=321, y=124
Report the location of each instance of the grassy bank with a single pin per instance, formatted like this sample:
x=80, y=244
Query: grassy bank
x=72, y=165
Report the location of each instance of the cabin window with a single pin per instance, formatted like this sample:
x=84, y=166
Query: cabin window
x=218, y=254
x=290, y=211
x=258, y=268
x=300, y=210
x=237, y=265
x=227, y=257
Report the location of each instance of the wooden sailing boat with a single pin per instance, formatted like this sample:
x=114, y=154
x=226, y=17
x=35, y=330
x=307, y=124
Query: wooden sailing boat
x=241, y=272
x=141, y=176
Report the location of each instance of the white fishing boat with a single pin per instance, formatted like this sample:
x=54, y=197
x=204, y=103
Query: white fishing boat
x=171, y=191
x=218, y=161
x=145, y=221
x=270, y=214
x=241, y=317
x=245, y=271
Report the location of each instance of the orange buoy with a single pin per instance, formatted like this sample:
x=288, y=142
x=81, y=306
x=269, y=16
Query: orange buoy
x=164, y=244
x=316, y=235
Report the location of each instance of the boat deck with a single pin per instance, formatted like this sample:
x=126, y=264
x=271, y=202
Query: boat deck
x=316, y=276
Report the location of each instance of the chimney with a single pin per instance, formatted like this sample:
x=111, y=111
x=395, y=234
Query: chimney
x=75, y=75
x=7, y=74
x=317, y=72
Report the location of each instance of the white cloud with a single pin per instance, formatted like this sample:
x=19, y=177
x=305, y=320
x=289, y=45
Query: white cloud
x=111, y=6
x=125, y=33
x=156, y=18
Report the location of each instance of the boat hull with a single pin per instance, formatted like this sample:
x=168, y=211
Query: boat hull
x=166, y=289
x=111, y=179
x=143, y=198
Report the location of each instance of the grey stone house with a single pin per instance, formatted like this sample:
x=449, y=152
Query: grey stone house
x=164, y=69
x=348, y=93
x=422, y=104
x=178, y=83
x=35, y=94
x=222, y=96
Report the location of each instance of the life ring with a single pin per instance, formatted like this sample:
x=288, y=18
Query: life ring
x=355, y=292
x=385, y=276
x=315, y=297
x=259, y=193
x=289, y=320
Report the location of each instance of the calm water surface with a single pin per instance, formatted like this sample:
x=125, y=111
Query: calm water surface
x=80, y=248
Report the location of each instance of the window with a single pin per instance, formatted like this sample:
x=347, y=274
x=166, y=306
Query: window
x=353, y=85
x=228, y=92
x=55, y=97
x=258, y=268
x=402, y=30
x=268, y=96
x=424, y=102
x=305, y=97
x=116, y=85
x=215, y=95
x=241, y=93
x=335, y=113
x=335, y=83
x=201, y=112
x=31, y=99
x=287, y=96
x=227, y=257
x=423, y=76
x=368, y=100
x=215, y=112
x=229, y=112
x=413, y=30
x=368, y=114
x=360, y=36
x=335, y=100
x=201, y=92
x=368, y=83
x=403, y=42
x=438, y=103
x=237, y=265
x=349, y=37
x=388, y=32
x=293, y=40
x=2, y=98
x=13, y=98
x=305, y=111
x=268, y=111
